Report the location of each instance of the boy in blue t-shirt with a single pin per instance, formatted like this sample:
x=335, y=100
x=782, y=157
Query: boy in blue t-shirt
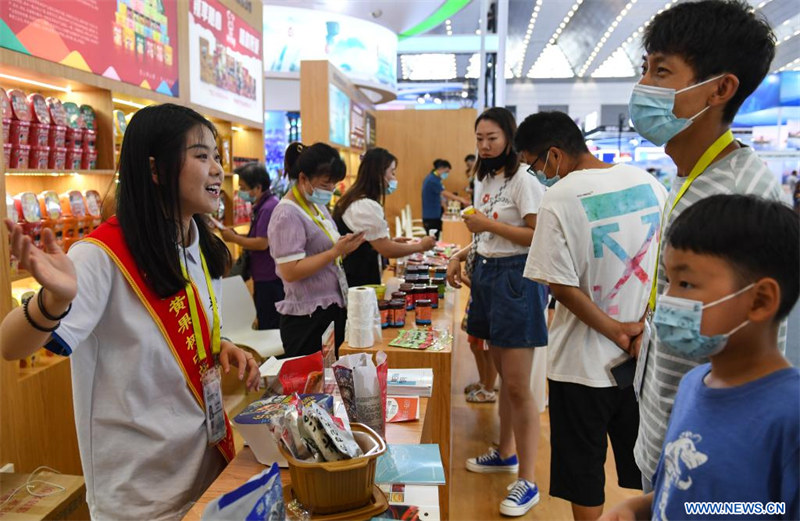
x=734, y=435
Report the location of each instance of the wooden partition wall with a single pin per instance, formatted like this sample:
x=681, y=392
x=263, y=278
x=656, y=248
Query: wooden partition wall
x=417, y=138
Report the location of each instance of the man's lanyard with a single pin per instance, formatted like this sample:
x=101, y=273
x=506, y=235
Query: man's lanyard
x=315, y=216
x=702, y=164
x=198, y=334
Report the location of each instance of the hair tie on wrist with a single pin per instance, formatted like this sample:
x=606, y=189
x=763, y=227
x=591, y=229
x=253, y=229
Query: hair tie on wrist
x=45, y=313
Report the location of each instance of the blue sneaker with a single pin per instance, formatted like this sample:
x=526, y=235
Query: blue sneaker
x=491, y=462
x=522, y=497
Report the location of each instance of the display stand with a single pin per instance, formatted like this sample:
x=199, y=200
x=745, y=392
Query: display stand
x=37, y=419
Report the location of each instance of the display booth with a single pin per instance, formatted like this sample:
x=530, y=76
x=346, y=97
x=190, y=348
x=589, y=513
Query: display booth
x=68, y=103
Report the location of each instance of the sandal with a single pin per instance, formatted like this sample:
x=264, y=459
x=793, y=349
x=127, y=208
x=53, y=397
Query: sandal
x=481, y=395
x=471, y=388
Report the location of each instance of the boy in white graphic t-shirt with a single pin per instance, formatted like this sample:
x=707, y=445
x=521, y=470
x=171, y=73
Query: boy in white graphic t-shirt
x=595, y=245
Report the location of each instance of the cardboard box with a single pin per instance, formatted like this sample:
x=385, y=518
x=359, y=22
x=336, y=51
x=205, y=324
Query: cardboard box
x=69, y=504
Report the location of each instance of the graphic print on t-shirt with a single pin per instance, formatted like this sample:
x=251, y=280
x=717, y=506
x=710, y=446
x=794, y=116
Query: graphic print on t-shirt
x=680, y=456
x=609, y=212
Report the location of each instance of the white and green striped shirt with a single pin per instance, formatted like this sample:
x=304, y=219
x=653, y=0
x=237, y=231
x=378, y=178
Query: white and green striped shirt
x=740, y=172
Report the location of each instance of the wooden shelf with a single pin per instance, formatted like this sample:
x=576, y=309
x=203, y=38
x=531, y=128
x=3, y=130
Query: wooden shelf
x=20, y=275
x=57, y=172
x=43, y=363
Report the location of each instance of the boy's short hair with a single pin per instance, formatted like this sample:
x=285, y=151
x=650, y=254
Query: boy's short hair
x=543, y=130
x=715, y=37
x=469, y=157
x=758, y=237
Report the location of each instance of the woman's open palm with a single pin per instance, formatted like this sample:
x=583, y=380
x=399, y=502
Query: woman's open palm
x=50, y=266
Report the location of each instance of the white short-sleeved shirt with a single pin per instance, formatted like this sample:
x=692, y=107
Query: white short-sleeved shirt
x=596, y=230
x=521, y=196
x=366, y=215
x=141, y=433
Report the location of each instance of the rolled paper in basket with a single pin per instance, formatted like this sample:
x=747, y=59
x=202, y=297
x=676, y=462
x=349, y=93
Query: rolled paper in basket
x=363, y=317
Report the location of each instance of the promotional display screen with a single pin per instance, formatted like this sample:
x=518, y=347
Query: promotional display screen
x=339, y=116
x=366, y=52
x=134, y=41
x=224, y=61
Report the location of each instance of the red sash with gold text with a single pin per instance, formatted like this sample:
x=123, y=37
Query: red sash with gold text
x=171, y=315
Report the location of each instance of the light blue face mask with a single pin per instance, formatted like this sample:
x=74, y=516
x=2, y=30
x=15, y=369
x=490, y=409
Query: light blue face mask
x=651, y=109
x=319, y=196
x=444, y=175
x=246, y=197
x=678, y=321
x=391, y=187
x=542, y=177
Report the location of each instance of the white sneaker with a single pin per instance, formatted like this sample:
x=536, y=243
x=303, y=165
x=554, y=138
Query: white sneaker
x=523, y=496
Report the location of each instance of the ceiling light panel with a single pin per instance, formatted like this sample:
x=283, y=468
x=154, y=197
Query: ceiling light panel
x=519, y=59
x=552, y=63
x=418, y=67
x=606, y=35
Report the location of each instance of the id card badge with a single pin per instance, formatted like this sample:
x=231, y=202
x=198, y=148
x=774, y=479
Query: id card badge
x=641, y=361
x=215, y=414
x=343, y=287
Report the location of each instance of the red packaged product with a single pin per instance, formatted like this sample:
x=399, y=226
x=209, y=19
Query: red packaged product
x=89, y=159
x=7, y=154
x=20, y=108
x=74, y=138
x=73, y=159
x=89, y=139
x=302, y=375
x=57, y=112
x=57, y=137
x=57, y=158
x=19, y=132
x=5, y=114
x=19, y=156
x=39, y=157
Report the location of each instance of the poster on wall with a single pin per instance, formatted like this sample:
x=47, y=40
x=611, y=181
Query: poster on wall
x=134, y=41
x=224, y=61
x=339, y=110
x=357, y=127
x=366, y=52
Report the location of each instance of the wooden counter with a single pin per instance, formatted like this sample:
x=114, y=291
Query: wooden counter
x=437, y=428
x=244, y=465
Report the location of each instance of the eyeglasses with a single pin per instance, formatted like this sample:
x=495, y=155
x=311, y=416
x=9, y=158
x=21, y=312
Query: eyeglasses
x=531, y=168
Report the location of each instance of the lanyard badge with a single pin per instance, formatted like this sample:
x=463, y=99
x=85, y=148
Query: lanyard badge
x=212, y=387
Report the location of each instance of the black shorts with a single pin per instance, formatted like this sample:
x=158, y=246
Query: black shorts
x=302, y=335
x=582, y=419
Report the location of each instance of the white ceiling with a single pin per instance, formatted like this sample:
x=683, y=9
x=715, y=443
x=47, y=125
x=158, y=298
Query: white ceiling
x=397, y=15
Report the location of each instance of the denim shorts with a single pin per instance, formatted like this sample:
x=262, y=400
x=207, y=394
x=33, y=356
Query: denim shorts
x=507, y=309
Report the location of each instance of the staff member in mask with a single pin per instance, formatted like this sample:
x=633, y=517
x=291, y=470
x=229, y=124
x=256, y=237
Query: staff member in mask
x=308, y=249
x=434, y=195
x=703, y=59
x=361, y=210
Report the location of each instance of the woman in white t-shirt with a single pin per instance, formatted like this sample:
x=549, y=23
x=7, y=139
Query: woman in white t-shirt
x=361, y=210
x=507, y=310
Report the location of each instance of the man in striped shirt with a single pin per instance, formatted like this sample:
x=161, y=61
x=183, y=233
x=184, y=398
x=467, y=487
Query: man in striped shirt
x=702, y=60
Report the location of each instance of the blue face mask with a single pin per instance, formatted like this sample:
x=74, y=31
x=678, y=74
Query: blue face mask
x=678, y=321
x=651, y=109
x=245, y=196
x=319, y=196
x=542, y=177
x=444, y=175
x=391, y=187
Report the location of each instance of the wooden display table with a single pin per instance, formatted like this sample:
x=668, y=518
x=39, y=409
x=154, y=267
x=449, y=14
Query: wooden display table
x=244, y=465
x=455, y=231
x=437, y=428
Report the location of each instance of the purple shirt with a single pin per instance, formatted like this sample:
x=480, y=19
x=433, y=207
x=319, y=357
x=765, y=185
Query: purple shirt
x=294, y=236
x=262, y=265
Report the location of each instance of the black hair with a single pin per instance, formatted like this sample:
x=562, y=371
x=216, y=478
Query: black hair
x=469, y=157
x=757, y=237
x=317, y=160
x=254, y=174
x=441, y=163
x=540, y=131
x=149, y=211
x=505, y=120
x=716, y=37
x=371, y=180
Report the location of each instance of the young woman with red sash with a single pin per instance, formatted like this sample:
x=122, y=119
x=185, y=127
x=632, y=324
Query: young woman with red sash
x=136, y=305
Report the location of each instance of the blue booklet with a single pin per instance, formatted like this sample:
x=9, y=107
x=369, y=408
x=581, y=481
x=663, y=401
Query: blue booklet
x=411, y=464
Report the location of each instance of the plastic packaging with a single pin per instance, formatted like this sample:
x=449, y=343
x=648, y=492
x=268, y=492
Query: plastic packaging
x=39, y=157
